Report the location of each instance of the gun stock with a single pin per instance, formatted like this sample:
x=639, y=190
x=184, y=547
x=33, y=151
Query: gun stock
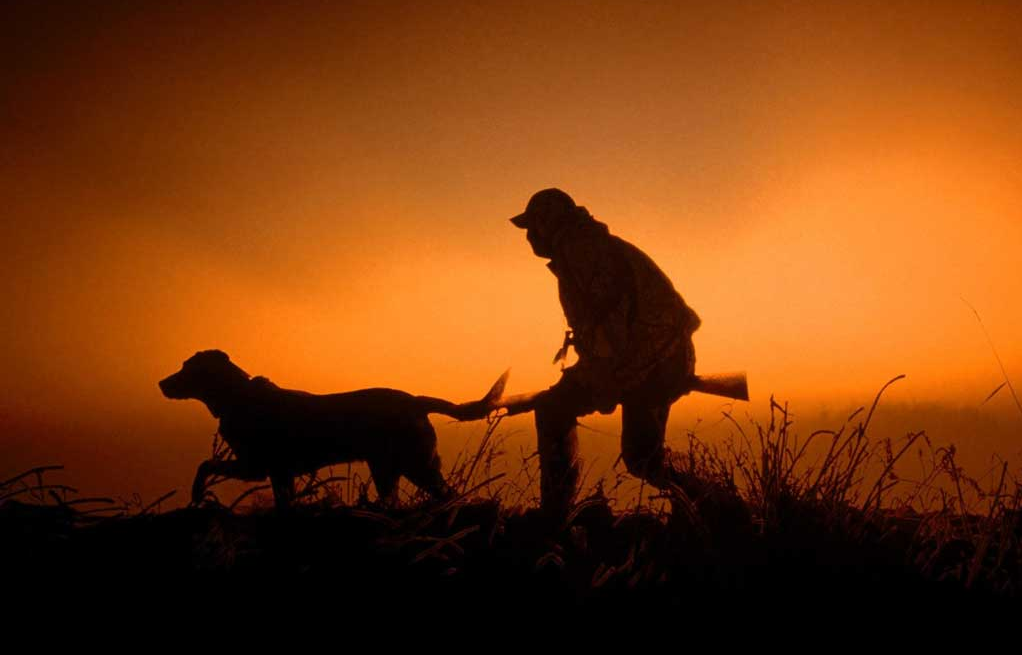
x=728, y=385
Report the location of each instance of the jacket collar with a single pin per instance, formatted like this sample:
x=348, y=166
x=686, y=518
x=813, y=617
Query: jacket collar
x=586, y=228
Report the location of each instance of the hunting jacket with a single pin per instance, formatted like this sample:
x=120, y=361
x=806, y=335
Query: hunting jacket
x=624, y=312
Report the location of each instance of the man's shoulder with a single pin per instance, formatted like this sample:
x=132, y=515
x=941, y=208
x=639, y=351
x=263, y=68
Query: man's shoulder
x=585, y=244
x=595, y=246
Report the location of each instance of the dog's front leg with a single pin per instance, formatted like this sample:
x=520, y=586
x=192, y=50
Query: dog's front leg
x=199, y=484
x=283, y=490
x=227, y=469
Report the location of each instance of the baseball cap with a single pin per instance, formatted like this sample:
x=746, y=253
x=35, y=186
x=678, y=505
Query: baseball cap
x=548, y=202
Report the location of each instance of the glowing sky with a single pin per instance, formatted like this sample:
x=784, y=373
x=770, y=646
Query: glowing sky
x=322, y=191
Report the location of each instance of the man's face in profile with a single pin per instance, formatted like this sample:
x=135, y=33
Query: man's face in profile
x=539, y=236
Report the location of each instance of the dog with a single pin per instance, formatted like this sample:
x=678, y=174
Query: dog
x=281, y=433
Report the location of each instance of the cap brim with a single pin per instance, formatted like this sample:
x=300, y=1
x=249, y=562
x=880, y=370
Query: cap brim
x=521, y=221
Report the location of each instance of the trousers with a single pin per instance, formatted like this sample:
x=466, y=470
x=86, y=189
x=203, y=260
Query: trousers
x=645, y=409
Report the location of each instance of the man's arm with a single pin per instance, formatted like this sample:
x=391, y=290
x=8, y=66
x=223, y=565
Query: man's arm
x=600, y=297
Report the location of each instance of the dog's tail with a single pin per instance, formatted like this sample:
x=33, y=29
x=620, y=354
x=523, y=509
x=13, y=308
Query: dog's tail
x=471, y=411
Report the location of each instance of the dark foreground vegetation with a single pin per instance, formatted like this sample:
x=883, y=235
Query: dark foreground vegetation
x=777, y=518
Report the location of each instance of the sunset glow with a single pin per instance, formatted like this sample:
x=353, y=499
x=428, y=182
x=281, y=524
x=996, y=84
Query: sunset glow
x=324, y=192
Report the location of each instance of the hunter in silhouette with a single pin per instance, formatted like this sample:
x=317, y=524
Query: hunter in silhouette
x=633, y=335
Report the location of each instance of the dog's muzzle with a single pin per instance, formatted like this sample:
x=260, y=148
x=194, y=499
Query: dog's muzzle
x=171, y=387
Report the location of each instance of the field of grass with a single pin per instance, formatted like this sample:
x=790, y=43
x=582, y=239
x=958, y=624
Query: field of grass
x=768, y=515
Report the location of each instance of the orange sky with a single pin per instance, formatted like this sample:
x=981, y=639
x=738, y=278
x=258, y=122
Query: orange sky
x=323, y=192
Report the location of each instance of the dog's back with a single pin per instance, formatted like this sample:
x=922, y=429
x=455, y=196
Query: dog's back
x=299, y=430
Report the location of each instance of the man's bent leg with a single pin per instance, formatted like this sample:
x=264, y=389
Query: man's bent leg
x=645, y=455
x=642, y=440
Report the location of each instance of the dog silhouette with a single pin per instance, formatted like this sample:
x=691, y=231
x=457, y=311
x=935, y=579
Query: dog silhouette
x=281, y=433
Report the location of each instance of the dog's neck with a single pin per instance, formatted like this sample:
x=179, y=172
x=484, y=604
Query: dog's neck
x=218, y=407
x=226, y=400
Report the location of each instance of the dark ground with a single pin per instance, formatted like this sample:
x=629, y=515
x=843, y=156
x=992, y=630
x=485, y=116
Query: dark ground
x=479, y=555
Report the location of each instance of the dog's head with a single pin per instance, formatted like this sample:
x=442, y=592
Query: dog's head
x=209, y=376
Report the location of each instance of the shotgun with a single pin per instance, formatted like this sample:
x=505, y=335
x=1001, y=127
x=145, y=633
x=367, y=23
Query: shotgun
x=727, y=385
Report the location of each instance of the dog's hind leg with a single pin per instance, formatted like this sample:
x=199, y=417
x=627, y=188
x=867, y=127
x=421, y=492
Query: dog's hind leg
x=430, y=479
x=422, y=466
x=386, y=479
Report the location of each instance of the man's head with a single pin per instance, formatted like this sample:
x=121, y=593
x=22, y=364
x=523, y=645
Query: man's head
x=548, y=211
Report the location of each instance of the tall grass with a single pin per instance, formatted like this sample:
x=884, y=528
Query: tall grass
x=763, y=483
x=950, y=524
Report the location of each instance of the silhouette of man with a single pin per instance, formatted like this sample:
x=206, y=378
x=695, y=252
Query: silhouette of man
x=633, y=335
